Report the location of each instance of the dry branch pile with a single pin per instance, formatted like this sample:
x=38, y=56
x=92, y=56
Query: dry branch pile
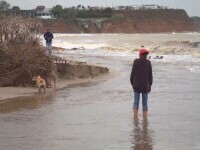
x=21, y=54
x=10, y=27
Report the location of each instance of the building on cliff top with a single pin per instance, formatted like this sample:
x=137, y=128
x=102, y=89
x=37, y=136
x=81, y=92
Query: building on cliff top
x=43, y=13
x=153, y=7
x=40, y=12
x=136, y=7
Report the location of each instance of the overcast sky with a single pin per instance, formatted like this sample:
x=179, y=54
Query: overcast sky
x=192, y=7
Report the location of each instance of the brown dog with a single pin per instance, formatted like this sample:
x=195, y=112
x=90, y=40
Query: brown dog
x=40, y=83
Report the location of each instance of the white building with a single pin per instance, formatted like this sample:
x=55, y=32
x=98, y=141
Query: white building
x=43, y=13
x=152, y=7
x=134, y=7
x=120, y=7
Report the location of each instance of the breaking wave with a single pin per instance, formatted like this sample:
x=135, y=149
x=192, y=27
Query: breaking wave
x=177, y=47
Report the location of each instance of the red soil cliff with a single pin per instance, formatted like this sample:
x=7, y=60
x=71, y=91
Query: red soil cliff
x=136, y=21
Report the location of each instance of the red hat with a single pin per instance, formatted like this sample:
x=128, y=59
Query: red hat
x=143, y=52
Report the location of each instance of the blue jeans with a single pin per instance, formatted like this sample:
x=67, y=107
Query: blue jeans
x=137, y=101
x=49, y=47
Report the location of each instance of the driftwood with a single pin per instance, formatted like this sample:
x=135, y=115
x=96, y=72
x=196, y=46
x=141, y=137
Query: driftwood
x=22, y=55
x=11, y=27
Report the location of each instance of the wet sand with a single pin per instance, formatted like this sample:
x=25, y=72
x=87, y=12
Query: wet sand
x=14, y=92
x=98, y=115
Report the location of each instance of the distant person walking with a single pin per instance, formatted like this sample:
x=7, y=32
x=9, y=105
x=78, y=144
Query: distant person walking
x=48, y=36
x=141, y=80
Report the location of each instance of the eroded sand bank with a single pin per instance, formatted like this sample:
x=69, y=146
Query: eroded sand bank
x=72, y=73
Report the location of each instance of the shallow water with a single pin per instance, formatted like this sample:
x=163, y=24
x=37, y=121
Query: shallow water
x=96, y=116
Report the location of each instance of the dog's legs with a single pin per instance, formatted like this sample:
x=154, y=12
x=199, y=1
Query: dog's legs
x=44, y=90
x=39, y=89
x=54, y=82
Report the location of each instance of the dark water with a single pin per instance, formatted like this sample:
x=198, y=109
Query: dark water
x=96, y=116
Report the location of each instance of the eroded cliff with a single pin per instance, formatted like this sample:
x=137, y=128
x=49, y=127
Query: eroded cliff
x=136, y=21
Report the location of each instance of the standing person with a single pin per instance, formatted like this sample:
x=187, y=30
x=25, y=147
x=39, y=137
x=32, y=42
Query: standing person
x=141, y=80
x=48, y=36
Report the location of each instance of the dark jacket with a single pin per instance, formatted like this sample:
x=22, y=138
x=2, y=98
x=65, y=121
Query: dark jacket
x=48, y=37
x=141, y=75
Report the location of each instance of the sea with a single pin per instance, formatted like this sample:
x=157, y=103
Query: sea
x=173, y=47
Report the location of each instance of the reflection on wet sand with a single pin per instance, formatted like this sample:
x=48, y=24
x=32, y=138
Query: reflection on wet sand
x=36, y=101
x=10, y=105
x=31, y=102
x=141, y=136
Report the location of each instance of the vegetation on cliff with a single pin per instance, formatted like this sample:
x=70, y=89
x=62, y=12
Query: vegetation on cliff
x=81, y=12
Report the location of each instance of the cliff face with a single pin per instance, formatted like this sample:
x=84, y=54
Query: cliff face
x=196, y=21
x=137, y=21
x=61, y=26
x=166, y=20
